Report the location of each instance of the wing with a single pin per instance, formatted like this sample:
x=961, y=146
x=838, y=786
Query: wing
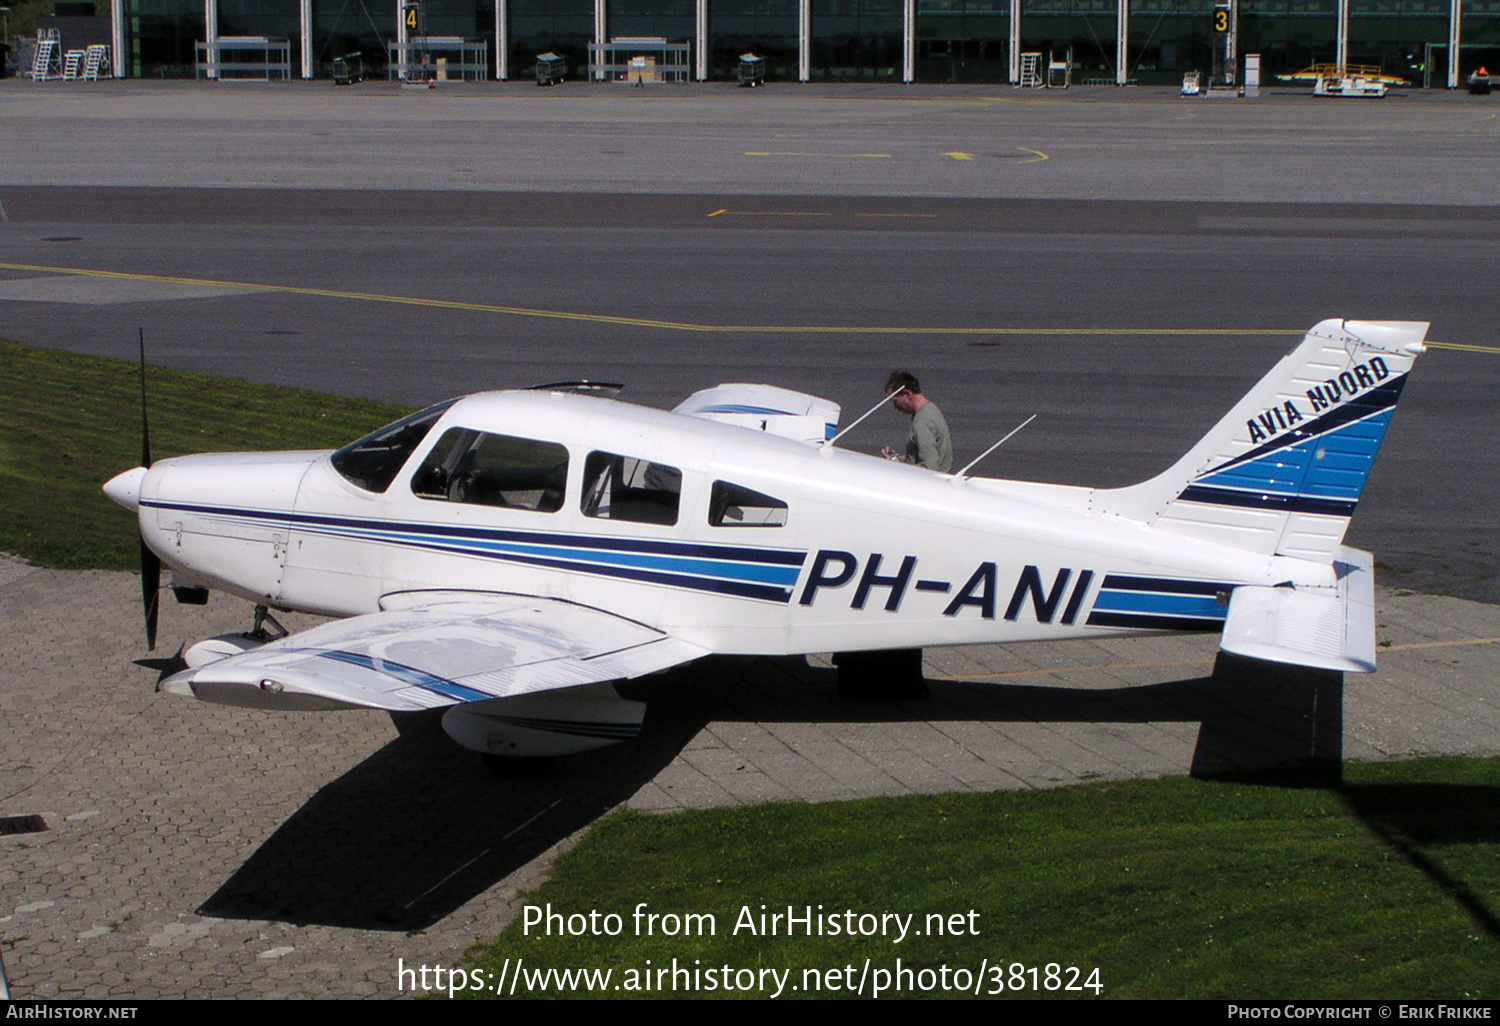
x=438, y=649
x=778, y=411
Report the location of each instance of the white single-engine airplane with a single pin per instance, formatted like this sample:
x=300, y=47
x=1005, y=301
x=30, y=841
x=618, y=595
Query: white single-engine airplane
x=511, y=555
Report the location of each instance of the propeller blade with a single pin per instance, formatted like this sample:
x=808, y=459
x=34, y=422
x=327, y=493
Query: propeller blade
x=150, y=591
x=145, y=427
x=150, y=561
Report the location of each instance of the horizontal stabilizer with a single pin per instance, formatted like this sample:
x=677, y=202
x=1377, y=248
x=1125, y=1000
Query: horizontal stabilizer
x=1332, y=629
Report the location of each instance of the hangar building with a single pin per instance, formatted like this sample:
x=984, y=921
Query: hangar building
x=1429, y=42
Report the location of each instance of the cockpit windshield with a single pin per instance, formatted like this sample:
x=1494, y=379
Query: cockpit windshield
x=373, y=462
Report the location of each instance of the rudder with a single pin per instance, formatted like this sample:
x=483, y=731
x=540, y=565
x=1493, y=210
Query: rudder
x=1282, y=471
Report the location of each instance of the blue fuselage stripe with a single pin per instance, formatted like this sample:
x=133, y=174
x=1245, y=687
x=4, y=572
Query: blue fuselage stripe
x=1170, y=605
x=1159, y=604
x=767, y=574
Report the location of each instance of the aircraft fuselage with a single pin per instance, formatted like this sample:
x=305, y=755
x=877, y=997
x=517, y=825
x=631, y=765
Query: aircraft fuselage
x=732, y=539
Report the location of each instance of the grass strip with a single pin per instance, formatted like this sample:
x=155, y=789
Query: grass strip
x=1385, y=886
x=69, y=423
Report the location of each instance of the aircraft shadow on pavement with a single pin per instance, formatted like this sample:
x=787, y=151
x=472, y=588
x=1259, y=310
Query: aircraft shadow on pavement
x=421, y=827
x=1255, y=718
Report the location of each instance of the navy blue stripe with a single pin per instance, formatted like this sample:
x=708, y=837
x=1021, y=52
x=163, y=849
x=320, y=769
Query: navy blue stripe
x=1125, y=582
x=775, y=557
x=1267, y=500
x=717, y=586
x=1152, y=622
x=1378, y=398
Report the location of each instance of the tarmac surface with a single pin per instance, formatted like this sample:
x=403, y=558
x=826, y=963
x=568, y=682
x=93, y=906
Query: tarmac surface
x=1128, y=288
x=784, y=140
x=200, y=851
x=1066, y=254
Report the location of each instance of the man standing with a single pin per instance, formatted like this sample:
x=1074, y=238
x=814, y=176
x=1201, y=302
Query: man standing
x=928, y=445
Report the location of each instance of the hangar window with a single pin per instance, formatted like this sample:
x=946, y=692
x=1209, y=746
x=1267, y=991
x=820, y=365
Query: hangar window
x=482, y=469
x=732, y=505
x=634, y=490
x=373, y=462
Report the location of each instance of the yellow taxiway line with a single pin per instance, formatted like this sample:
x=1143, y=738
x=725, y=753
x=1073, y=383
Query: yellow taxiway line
x=771, y=213
x=1462, y=347
x=688, y=326
x=635, y=322
x=725, y=211
x=802, y=153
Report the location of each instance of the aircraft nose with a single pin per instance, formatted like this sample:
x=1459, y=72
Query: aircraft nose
x=125, y=488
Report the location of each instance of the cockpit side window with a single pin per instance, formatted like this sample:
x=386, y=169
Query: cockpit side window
x=373, y=461
x=732, y=505
x=626, y=488
x=482, y=469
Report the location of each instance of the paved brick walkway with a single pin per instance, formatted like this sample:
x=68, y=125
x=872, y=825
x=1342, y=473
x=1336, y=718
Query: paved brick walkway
x=200, y=851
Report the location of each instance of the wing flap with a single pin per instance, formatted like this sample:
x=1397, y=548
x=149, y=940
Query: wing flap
x=440, y=652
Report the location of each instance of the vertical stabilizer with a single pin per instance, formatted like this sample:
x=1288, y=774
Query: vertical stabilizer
x=1282, y=472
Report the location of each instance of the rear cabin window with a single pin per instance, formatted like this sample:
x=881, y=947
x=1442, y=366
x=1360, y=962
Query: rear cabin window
x=482, y=469
x=634, y=490
x=732, y=505
x=373, y=462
